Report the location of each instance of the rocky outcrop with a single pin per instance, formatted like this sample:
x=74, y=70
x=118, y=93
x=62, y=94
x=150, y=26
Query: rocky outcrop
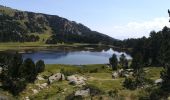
x=76, y=80
x=56, y=77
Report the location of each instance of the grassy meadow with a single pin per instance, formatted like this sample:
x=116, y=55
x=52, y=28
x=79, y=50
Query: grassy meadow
x=97, y=75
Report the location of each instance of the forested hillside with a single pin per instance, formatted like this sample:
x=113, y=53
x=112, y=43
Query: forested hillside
x=153, y=50
x=22, y=26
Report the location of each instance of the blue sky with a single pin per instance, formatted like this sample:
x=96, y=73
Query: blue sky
x=117, y=18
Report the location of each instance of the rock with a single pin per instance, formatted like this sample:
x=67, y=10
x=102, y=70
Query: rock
x=35, y=91
x=3, y=97
x=76, y=80
x=0, y=70
x=42, y=86
x=130, y=73
x=56, y=77
x=126, y=75
x=40, y=78
x=108, y=66
x=0, y=86
x=27, y=98
x=84, y=93
x=129, y=70
x=120, y=72
x=115, y=75
x=158, y=81
x=169, y=98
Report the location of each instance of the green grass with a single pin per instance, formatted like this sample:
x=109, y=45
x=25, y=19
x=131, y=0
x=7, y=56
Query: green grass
x=101, y=79
x=153, y=72
x=39, y=45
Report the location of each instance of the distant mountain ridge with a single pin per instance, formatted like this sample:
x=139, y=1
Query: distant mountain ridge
x=28, y=26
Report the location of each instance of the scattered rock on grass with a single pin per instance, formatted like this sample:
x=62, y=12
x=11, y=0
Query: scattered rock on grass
x=115, y=75
x=40, y=78
x=42, y=86
x=27, y=98
x=84, y=93
x=0, y=70
x=35, y=91
x=56, y=77
x=158, y=81
x=76, y=80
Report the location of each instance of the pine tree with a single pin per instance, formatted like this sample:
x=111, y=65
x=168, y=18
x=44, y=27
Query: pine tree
x=113, y=61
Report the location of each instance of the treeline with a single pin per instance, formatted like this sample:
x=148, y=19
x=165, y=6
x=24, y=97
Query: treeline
x=153, y=50
x=16, y=73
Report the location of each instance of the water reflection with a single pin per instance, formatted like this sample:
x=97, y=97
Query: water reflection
x=74, y=56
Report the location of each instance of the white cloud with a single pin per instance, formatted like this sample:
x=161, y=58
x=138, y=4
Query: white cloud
x=136, y=29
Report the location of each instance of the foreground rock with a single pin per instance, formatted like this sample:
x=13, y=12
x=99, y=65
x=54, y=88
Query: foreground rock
x=0, y=70
x=76, y=80
x=115, y=75
x=3, y=97
x=40, y=78
x=83, y=93
x=42, y=86
x=56, y=77
x=27, y=98
x=34, y=91
x=158, y=81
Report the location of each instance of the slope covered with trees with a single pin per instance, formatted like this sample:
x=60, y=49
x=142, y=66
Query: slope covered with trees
x=18, y=25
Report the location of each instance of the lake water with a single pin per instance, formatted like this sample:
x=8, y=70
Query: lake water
x=74, y=57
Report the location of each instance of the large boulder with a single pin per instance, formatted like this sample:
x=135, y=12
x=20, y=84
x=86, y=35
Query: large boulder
x=76, y=80
x=56, y=77
x=83, y=93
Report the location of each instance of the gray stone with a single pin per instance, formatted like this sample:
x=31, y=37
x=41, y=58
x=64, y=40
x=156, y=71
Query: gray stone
x=56, y=77
x=158, y=81
x=35, y=91
x=3, y=97
x=0, y=70
x=84, y=93
x=76, y=80
x=40, y=78
x=129, y=70
x=27, y=98
x=42, y=86
x=115, y=75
